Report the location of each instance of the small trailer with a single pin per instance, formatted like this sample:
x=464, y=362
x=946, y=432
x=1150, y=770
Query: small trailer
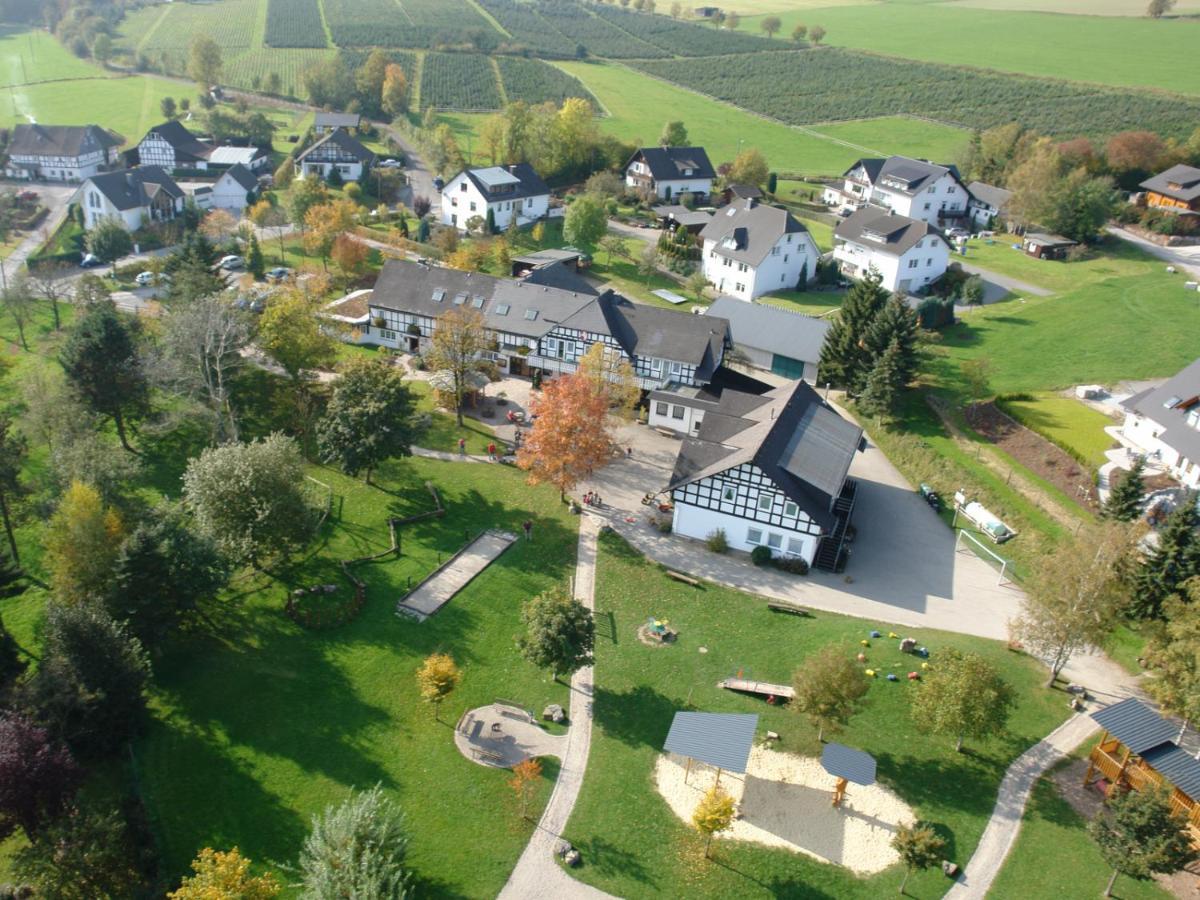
x=980, y=515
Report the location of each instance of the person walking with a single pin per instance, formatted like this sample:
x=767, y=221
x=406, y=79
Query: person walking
x=462, y=446
x=492, y=452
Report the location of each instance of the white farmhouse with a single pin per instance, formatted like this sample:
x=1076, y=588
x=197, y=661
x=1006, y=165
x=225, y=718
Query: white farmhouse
x=60, y=152
x=751, y=249
x=915, y=188
x=668, y=172
x=989, y=204
x=1163, y=423
x=770, y=471
x=170, y=146
x=134, y=197
x=506, y=191
x=337, y=151
x=235, y=189
x=907, y=253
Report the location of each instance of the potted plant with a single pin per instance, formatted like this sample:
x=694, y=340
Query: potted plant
x=502, y=399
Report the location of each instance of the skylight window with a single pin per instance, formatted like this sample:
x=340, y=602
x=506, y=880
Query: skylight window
x=460, y=298
x=439, y=295
x=502, y=309
x=477, y=302
x=1173, y=402
x=531, y=314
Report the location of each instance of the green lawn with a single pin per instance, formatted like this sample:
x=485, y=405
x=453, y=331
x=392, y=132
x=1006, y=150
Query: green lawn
x=31, y=56
x=811, y=303
x=637, y=106
x=1113, y=258
x=1065, y=421
x=1054, y=857
x=633, y=846
x=1126, y=52
x=261, y=724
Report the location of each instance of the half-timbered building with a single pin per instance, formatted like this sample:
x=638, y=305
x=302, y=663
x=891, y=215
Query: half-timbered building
x=769, y=470
x=60, y=152
x=338, y=151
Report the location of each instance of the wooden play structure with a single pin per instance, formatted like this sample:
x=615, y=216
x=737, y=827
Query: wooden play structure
x=765, y=688
x=846, y=765
x=720, y=740
x=1138, y=749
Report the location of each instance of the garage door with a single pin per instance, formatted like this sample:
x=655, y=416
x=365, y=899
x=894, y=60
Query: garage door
x=786, y=366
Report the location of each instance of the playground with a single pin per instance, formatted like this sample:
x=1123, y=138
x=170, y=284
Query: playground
x=785, y=801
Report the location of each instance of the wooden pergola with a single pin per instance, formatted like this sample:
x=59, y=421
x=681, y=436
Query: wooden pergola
x=1138, y=750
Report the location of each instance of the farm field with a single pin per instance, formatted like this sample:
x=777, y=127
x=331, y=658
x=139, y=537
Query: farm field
x=459, y=81
x=1132, y=8
x=1065, y=421
x=638, y=108
x=385, y=23
x=289, y=64
x=295, y=23
x=33, y=56
x=234, y=24
x=534, y=81
x=1121, y=52
x=807, y=86
x=633, y=845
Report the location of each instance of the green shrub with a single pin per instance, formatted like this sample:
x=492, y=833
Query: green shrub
x=716, y=541
x=791, y=564
x=761, y=556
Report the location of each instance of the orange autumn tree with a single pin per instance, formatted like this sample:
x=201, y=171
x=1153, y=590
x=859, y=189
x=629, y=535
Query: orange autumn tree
x=570, y=438
x=525, y=775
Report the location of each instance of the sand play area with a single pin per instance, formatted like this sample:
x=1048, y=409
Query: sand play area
x=784, y=801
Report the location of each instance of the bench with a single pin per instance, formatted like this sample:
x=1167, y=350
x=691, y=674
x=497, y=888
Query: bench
x=489, y=756
x=686, y=579
x=788, y=607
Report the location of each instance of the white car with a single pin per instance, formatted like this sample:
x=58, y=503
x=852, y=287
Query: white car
x=231, y=262
x=145, y=279
x=391, y=164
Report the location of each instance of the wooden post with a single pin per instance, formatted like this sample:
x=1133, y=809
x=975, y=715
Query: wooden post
x=839, y=791
x=1124, y=763
x=717, y=783
x=1087, y=778
x=687, y=771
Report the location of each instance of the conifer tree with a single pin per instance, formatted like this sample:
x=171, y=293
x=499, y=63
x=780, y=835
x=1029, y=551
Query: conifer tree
x=844, y=356
x=895, y=322
x=1124, y=501
x=883, y=385
x=254, y=258
x=1170, y=564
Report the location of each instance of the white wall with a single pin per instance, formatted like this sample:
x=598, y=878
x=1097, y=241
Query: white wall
x=695, y=522
x=351, y=171
x=932, y=257
x=457, y=203
x=944, y=192
x=672, y=188
x=777, y=271
x=688, y=423
x=228, y=194
x=1144, y=434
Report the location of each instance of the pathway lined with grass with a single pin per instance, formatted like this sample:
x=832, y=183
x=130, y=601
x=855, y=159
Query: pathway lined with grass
x=536, y=873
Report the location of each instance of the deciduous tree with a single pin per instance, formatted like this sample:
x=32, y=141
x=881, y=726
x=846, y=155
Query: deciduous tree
x=749, y=167
x=523, y=782
x=82, y=540
x=962, y=695
x=919, y=847
x=395, y=91
x=1075, y=596
x=20, y=304
x=350, y=256
x=53, y=284
x=612, y=375
x=1156, y=9
x=13, y=452
x=674, y=134
x=1173, y=653
x=369, y=418
x=713, y=814
x=799, y=33
x=559, y=633
x=356, y=849
x=218, y=225
x=250, y=498
x=290, y=332
x=85, y=854
x=771, y=25
x=459, y=339
x=586, y=221
x=437, y=678
x=204, y=62
x=816, y=34
x=1134, y=151
x=830, y=688
x=570, y=438
x=325, y=222
x=102, y=364
x=1141, y=836
x=219, y=874
x=38, y=777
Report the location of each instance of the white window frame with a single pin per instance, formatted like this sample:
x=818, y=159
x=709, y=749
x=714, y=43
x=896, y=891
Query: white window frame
x=775, y=540
x=750, y=536
x=769, y=499
x=791, y=509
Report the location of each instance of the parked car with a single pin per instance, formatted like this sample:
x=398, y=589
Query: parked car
x=279, y=273
x=439, y=183
x=146, y=279
x=391, y=164
x=90, y=261
x=231, y=262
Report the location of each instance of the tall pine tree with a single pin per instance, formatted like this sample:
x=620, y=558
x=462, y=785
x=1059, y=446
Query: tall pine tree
x=1124, y=501
x=1170, y=564
x=883, y=384
x=844, y=358
x=896, y=322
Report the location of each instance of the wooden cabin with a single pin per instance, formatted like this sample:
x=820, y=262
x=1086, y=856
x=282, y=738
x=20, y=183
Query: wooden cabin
x=1138, y=749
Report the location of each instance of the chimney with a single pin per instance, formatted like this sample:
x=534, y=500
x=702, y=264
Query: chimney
x=751, y=203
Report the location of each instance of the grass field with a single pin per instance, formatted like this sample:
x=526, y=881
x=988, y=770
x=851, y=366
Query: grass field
x=1132, y=8
x=1054, y=839
x=1065, y=421
x=234, y=24
x=32, y=56
x=1125, y=52
x=634, y=847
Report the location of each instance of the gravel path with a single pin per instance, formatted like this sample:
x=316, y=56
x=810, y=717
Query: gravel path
x=537, y=874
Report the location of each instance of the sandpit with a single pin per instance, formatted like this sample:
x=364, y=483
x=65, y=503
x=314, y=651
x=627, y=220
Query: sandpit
x=784, y=801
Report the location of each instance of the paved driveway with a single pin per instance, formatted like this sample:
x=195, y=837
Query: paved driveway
x=56, y=198
x=903, y=568
x=1186, y=258
x=997, y=287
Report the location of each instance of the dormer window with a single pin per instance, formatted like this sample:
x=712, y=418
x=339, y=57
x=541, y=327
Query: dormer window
x=729, y=243
x=687, y=173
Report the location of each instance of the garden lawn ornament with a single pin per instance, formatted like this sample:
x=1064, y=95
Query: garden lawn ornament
x=870, y=673
x=914, y=676
x=892, y=676
x=875, y=634
x=908, y=645
x=865, y=642
x=862, y=657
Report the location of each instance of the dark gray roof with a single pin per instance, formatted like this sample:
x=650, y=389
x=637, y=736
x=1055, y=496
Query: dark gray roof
x=752, y=228
x=133, y=188
x=884, y=230
x=336, y=120
x=1176, y=765
x=772, y=329
x=669, y=163
x=1180, y=182
x=186, y=145
x=1135, y=725
x=740, y=393
x=910, y=176
x=565, y=278
x=989, y=194
x=1048, y=240
x=1169, y=405
x=870, y=165
x=841, y=761
x=529, y=183
x=242, y=176
x=745, y=191
x=59, y=140
x=795, y=438
x=345, y=142
x=723, y=740
x=681, y=215
x=549, y=255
